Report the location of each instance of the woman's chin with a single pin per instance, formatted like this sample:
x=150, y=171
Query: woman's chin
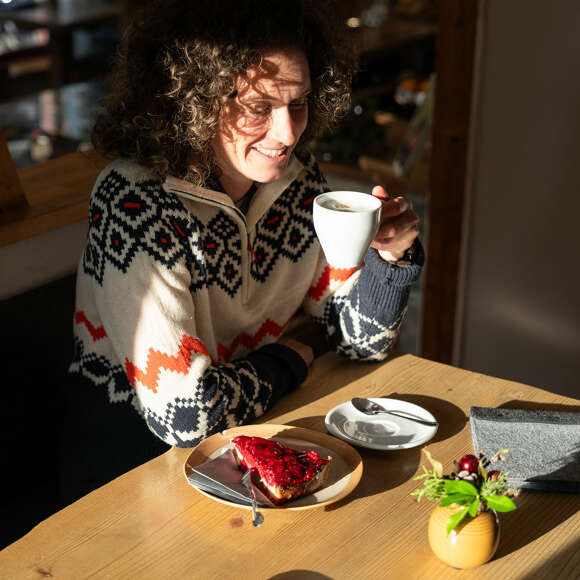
x=268, y=175
x=266, y=169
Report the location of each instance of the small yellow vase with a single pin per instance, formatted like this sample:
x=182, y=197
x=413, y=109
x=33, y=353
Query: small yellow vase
x=470, y=544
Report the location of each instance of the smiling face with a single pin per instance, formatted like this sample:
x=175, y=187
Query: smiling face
x=261, y=125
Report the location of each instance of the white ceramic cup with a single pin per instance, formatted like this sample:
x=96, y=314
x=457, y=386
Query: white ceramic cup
x=346, y=223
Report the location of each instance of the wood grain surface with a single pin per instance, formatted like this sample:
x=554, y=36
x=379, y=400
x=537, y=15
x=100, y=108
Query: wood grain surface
x=150, y=523
x=57, y=194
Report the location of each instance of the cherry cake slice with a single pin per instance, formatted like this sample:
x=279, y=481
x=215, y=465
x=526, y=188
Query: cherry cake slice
x=281, y=473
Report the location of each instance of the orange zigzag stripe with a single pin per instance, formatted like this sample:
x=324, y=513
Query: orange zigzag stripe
x=251, y=341
x=96, y=333
x=157, y=360
x=328, y=274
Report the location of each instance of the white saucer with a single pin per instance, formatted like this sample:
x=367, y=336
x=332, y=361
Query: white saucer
x=384, y=432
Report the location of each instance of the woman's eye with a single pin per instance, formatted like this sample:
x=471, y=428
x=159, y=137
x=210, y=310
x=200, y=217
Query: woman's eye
x=260, y=110
x=264, y=110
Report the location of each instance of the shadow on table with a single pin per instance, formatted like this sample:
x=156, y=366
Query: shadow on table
x=451, y=418
x=344, y=372
x=300, y=575
x=384, y=470
x=558, y=563
x=526, y=524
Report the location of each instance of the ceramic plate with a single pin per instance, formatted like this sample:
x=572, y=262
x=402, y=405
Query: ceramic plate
x=345, y=470
x=383, y=432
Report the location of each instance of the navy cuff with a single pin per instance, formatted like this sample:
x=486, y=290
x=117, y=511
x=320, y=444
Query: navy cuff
x=384, y=288
x=393, y=274
x=280, y=366
x=295, y=363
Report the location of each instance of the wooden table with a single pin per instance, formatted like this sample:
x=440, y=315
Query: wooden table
x=56, y=194
x=150, y=523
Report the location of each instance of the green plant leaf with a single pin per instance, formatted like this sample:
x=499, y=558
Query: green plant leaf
x=473, y=507
x=458, y=498
x=499, y=503
x=459, y=486
x=454, y=520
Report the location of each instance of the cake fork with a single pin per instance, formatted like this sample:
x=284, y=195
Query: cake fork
x=258, y=518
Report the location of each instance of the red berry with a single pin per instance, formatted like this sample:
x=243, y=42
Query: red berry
x=493, y=474
x=469, y=463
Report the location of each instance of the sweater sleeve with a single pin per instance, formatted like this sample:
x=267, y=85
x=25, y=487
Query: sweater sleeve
x=144, y=303
x=361, y=309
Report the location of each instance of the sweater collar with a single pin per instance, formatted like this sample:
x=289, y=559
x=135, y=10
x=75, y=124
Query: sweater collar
x=264, y=197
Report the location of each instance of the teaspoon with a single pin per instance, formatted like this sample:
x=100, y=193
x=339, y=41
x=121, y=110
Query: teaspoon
x=369, y=407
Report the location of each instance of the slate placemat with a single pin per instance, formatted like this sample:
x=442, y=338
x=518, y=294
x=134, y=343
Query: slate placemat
x=544, y=446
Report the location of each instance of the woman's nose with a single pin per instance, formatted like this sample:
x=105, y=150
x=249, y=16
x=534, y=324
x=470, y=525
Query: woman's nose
x=282, y=126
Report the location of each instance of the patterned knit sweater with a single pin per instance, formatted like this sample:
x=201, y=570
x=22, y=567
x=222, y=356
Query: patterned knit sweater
x=181, y=298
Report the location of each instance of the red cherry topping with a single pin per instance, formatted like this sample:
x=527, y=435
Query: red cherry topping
x=469, y=463
x=277, y=464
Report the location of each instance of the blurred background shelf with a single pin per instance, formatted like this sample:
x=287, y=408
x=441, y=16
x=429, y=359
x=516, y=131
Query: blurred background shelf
x=53, y=43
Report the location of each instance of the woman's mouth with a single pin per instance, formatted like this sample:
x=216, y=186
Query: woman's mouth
x=272, y=153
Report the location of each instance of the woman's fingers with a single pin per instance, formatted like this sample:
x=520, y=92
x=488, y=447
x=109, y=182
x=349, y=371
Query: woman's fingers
x=400, y=243
x=399, y=223
x=393, y=227
x=395, y=206
x=380, y=192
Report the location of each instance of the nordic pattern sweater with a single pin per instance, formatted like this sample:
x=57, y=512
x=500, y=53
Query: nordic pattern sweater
x=181, y=298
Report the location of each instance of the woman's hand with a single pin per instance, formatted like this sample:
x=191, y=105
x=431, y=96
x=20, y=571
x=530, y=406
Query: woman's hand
x=300, y=348
x=399, y=226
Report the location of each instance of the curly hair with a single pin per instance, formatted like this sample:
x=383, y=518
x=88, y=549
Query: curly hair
x=178, y=63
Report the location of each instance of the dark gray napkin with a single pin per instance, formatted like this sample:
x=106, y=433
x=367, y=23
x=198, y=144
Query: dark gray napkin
x=544, y=446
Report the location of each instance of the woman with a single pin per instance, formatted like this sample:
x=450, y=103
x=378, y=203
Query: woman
x=201, y=246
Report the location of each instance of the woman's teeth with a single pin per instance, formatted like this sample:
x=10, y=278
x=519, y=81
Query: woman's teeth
x=272, y=152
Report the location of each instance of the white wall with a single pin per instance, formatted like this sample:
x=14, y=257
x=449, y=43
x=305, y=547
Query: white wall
x=521, y=289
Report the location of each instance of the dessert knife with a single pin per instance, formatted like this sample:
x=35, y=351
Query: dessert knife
x=258, y=518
